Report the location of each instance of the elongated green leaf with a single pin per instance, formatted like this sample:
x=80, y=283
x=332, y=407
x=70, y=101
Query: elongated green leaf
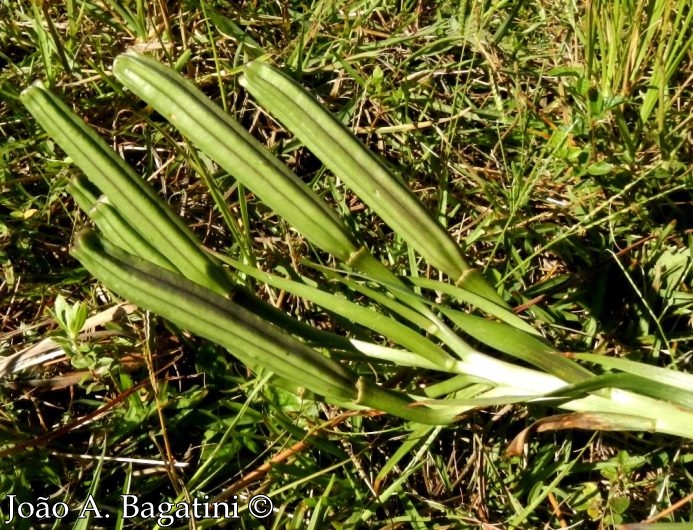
x=656, y=374
x=407, y=447
x=520, y=345
x=471, y=385
x=664, y=417
x=421, y=315
x=366, y=317
x=636, y=383
x=463, y=295
x=374, y=396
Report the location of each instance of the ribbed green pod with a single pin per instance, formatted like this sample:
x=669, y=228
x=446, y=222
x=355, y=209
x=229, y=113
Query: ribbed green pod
x=133, y=198
x=224, y=140
x=250, y=338
x=362, y=170
x=213, y=317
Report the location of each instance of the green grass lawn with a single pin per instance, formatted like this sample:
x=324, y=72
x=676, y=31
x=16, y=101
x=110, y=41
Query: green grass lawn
x=552, y=141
